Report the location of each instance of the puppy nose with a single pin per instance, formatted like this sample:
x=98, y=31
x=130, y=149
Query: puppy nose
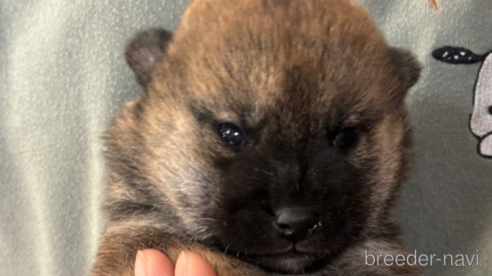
x=296, y=224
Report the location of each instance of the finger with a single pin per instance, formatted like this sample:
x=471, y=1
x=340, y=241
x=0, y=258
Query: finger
x=151, y=262
x=191, y=264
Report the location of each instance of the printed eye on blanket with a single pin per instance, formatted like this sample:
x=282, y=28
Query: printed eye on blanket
x=481, y=119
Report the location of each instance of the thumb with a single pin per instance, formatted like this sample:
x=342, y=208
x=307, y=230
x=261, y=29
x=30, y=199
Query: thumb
x=191, y=264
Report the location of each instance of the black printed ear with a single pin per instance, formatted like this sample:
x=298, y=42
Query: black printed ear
x=408, y=66
x=144, y=50
x=457, y=55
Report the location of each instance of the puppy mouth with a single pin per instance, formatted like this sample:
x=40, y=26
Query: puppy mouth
x=290, y=252
x=289, y=261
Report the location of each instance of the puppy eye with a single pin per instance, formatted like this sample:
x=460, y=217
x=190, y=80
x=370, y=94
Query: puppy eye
x=346, y=138
x=232, y=135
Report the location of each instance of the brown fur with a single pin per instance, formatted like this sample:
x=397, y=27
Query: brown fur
x=292, y=70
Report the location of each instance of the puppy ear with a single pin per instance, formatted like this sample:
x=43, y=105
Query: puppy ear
x=408, y=67
x=144, y=50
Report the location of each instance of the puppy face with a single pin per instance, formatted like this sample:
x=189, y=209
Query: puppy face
x=271, y=130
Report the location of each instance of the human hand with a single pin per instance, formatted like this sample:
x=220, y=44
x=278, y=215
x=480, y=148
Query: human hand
x=150, y=262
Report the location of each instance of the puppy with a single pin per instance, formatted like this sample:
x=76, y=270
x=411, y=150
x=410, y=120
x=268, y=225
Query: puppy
x=271, y=138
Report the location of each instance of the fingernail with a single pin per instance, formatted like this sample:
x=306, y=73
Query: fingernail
x=182, y=265
x=140, y=264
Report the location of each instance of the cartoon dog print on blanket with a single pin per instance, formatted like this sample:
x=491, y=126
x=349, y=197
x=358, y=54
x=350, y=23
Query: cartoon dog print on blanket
x=481, y=119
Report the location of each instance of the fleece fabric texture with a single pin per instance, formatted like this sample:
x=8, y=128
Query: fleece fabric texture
x=63, y=76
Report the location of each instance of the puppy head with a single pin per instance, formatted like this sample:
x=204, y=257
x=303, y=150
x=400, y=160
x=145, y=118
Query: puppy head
x=272, y=130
